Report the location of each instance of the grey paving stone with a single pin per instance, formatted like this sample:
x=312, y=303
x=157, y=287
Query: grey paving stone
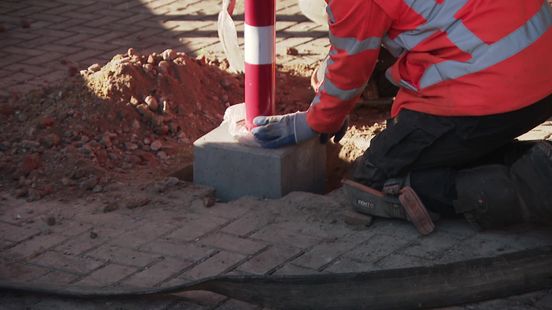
x=157, y=273
x=233, y=243
x=215, y=265
x=269, y=259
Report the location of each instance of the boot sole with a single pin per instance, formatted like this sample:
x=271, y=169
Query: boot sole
x=416, y=212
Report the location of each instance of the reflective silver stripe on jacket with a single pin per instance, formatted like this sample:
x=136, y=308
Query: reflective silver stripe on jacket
x=441, y=17
x=353, y=46
x=485, y=56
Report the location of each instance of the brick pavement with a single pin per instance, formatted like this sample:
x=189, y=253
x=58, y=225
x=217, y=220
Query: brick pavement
x=39, y=35
x=178, y=240
x=301, y=233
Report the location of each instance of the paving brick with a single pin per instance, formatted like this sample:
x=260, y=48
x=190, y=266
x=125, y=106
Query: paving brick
x=322, y=254
x=272, y=234
x=232, y=243
x=79, y=244
x=193, y=230
x=34, y=246
x=60, y=48
x=232, y=210
x=67, y=263
x=432, y=246
x=44, y=58
x=158, y=272
x=21, y=272
x=187, y=251
x=142, y=234
x=349, y=265
x=16, y=233
x=219, y=263
x=249, y=223
x=291, y=269
x=58, y=277
x=269, y=260
x=376, y=248
x=123, y=256
x=107, y=275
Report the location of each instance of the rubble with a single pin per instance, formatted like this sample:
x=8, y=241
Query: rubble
x=134, y=118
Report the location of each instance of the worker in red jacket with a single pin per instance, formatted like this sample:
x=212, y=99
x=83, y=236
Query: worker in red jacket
x=473, y=76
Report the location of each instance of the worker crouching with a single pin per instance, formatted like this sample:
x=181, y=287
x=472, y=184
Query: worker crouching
x=473, y=76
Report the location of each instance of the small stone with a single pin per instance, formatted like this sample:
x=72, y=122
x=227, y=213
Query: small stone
x=164, y=67
x=162, y=155
x=51, y=140
x=30, y=163
x=209, y=201
x=51, y=221
x=156, y=145
x=34, y=195
x=46, y=121
x=89, y=183
x=151, y=60
x=169, y=54
x=171, y=181
x=94, y=68
x=110, y=207
x=147, y=141
x=137, y=203
x=106, y=140
x=152, y=103
x=148, y=67
x=135, y=124
x=226, y=83
x=21, y=117
x=93, y=235
x=20, y=193
x=132, y=52
x=134, y=101
x=97, y=189
x=131, y=146
x=292, y=51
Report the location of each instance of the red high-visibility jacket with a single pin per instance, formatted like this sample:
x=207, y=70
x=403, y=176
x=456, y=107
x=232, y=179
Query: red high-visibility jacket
x=455, y=57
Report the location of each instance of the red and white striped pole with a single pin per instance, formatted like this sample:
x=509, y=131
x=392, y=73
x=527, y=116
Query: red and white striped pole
x=260, y=56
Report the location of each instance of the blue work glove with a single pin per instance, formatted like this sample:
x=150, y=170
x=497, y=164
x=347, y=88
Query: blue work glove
x=281, y=130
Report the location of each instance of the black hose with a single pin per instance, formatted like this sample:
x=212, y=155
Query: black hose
x=407, y=288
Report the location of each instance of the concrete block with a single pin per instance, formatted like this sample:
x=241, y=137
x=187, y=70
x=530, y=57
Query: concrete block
x=236, y=170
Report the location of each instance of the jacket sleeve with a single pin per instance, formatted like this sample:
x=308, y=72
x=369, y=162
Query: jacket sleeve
x=356, y=31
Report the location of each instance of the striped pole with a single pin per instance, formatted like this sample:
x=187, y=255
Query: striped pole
x=260, y=54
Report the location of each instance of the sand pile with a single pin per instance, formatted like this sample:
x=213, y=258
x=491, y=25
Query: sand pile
x=135, y=119
x=138, y=113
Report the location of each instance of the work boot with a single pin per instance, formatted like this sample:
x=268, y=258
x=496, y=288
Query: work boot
x=496, y=196
x=406, y=205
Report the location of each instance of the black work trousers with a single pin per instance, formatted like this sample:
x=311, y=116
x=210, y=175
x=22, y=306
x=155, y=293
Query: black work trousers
x=432, y=148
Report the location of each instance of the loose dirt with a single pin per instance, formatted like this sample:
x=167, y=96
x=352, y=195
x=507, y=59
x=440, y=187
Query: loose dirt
x=135, y=119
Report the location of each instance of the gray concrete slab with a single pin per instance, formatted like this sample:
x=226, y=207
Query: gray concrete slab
x=236, y=170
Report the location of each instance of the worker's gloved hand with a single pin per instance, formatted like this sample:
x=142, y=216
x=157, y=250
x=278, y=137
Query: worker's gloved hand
x=281, y=130
x=325, y=137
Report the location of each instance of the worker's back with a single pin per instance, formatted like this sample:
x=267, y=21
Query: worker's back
x=469, y=57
